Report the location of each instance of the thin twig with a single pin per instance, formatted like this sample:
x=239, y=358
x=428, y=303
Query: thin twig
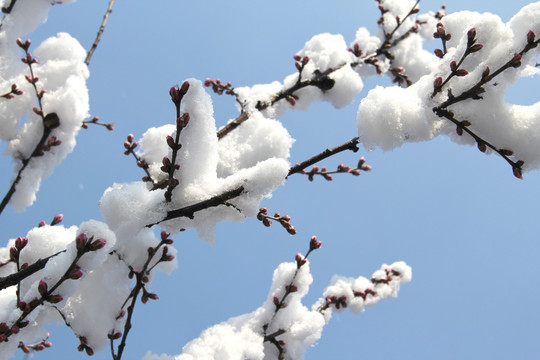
x=100, y=32
x=349, y=145
x=15, y=278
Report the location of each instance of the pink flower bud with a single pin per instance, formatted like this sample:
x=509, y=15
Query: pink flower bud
x=185, y=87
x=300, y=260
x=97, y=244
x=471, y=36
x=20, y=243
x=530, y=37
x=13, y=253
x=42, y=288
x=516, y=61
x=80, y=241
x=314, y=243
x=57, y=219
x=438, y=82
x=175, y=95
x=476, y=47
x=291, y=288
x=54, y=299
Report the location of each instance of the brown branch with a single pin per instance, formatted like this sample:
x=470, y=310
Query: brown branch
x=232, y=125
x=349, y=145
x=17, y=277
x=50, y=122
x=100, y=32
x=190, y=210
x=7, y=10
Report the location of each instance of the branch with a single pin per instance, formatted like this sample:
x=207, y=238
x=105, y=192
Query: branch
x=349, y=145
x=100, y=32
x=7, y=10
x=17, y=277
x=189, y=211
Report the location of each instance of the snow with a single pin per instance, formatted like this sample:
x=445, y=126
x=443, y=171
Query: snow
x=391, y=116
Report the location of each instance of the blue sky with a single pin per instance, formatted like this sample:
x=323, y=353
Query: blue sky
x=467, y=227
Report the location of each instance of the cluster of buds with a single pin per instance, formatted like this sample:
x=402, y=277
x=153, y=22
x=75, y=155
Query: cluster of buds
x=218, y=87
x=361, y=166
x=11, y=94
x=95, y=120
x=15, y=251
x=338, y=301
x=83, y=243
x=39, y=346
x=148, y=296
x=165, y=256
x=300, y=62
x=178, y=92
x=43, y=290
x=50, y=143
x=455, y=69
x=83, y=346
x=130, y=145
x=440, y=33
x=25, y=45
x=283, y=220
x=356, y=50
x=6, y=330
x=399, y=77
x=390, y=273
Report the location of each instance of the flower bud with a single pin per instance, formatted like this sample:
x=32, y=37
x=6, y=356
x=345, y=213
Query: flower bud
x=175, y=95
x=57, y=219
x=314, y=243
x=20, y=243
x=97, y=244
x=530, y=37
x=471, y=36
x=300, y=260
x=476, y=47
x=42, y=288
x=80, y=241
x=185, y=87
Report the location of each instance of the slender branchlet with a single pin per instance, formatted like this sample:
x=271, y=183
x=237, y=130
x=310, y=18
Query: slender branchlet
x=14, y=91
x=99, y=33
x=341, y=169
x=155, y=255
x=182, y=120
x=95, y=121
x=281, y=302
x=284, y=220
